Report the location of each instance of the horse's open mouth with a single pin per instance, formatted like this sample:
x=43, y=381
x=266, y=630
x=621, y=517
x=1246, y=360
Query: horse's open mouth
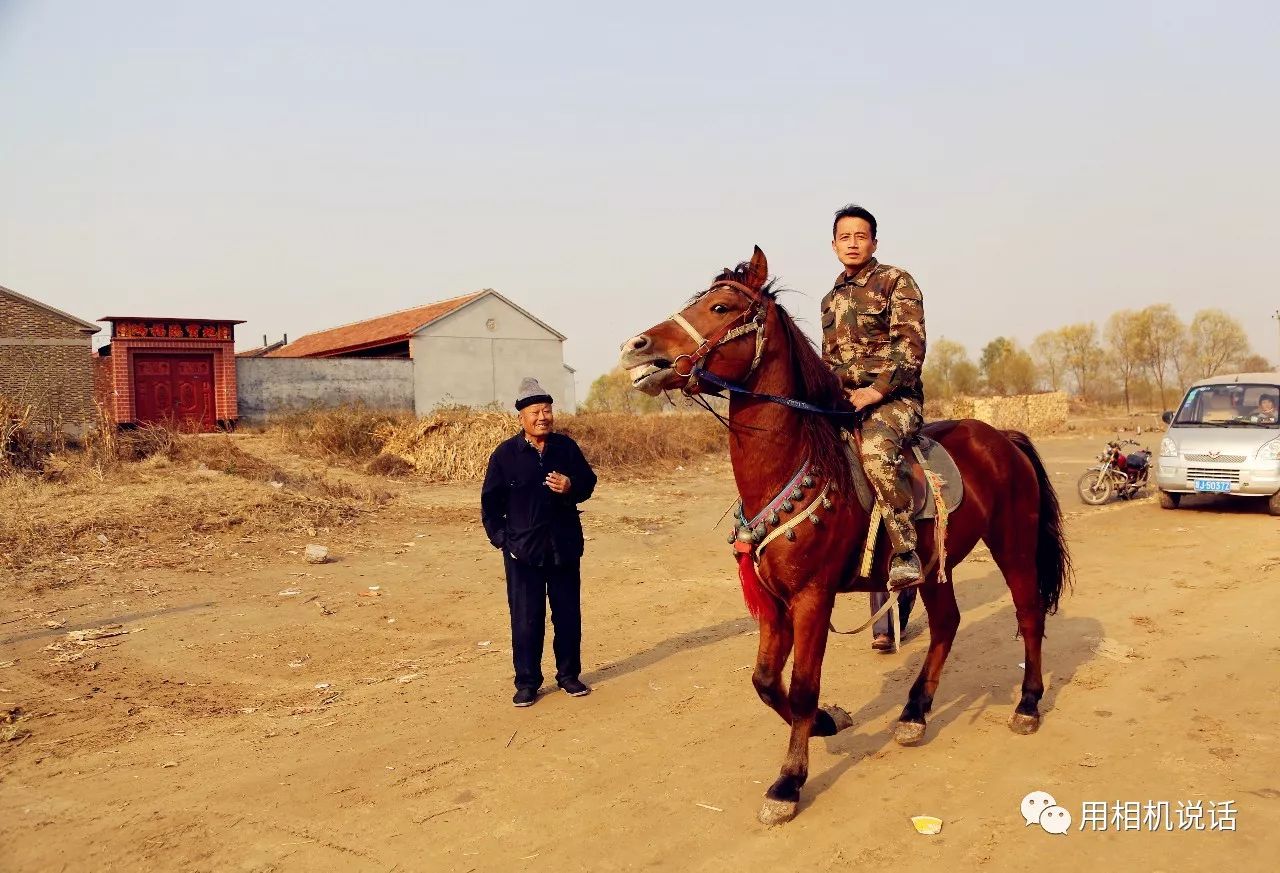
x=648, y=377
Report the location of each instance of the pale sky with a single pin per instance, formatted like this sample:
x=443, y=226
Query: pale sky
x=300, y=165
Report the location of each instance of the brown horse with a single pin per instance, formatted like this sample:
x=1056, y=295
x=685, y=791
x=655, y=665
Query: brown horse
x=738, y=333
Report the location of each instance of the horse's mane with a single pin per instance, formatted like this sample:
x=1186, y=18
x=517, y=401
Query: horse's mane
x=815, y=384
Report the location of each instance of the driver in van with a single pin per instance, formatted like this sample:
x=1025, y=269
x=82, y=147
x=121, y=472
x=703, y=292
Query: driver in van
x=1266, y=411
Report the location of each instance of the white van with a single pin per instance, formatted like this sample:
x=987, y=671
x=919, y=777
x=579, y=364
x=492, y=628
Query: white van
x=1224, y=439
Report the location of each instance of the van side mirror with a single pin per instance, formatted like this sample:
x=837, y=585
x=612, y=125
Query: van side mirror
x=1166, y=417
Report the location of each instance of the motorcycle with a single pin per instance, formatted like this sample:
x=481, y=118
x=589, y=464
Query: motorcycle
x=1117, y=474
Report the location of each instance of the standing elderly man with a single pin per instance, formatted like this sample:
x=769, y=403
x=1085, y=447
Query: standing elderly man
x=873, y=338
x=529, y=506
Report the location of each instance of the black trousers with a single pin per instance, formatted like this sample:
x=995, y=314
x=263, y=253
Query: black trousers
x=528, y=590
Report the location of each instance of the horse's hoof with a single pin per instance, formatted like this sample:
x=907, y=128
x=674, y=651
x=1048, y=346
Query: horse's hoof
x=908, y=733
x=830, y=720
x=842, y=719
x=776, y=812
x=1024, y=724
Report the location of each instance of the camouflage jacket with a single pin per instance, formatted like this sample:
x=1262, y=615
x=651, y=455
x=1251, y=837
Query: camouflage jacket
x=873, y=330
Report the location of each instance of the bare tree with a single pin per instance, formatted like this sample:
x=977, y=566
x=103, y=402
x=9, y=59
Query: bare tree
x=612, y=392
x=1082, y=354
x=1162, y=336
x=1253, y=364
x=1124, y=337
x=1050, y=357
x=1007, y=368
x=945, y=366
x=1183, y=358
x=1214, y=340
x=992, y=364
x=1022, y=372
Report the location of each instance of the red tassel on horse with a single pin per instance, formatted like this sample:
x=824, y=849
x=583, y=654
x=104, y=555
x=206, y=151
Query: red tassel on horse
x=759, y=602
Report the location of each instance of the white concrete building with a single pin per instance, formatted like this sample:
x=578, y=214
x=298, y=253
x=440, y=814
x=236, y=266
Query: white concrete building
x=471, y=350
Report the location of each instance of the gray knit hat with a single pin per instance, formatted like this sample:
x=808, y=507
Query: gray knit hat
x=530, y=393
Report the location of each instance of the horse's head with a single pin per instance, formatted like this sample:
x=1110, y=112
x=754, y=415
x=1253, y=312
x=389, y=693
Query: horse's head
x=720, y=331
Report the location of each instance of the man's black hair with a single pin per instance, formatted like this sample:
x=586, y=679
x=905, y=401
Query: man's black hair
x=853, y=210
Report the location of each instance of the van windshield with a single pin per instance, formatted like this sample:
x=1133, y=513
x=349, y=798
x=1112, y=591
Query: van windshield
x=1231, y=405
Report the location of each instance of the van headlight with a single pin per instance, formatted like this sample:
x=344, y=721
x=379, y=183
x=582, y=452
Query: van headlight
x=1271, y=451
x=1168, y=448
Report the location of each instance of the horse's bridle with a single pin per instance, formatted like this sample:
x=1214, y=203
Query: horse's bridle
x=753, y=322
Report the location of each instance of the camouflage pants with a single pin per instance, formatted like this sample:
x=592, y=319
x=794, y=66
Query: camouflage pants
x=887, y=426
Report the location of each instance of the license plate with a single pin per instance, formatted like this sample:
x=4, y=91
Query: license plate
x=1212, y=485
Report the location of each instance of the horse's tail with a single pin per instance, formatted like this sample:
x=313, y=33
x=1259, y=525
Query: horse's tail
x=1053, y=561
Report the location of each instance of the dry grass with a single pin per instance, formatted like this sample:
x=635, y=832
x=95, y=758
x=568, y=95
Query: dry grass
x=391, y=466
x=450, y=445
x=636, y=445
x=136, y=498
x=348, y=433
x=455, y=444
x=104, y=503
x=23, y=447
x=220, y=453
x=65, y=530
x=26, y=448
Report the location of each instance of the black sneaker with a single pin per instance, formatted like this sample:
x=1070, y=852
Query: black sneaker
x=525, y=696
x=575, y=688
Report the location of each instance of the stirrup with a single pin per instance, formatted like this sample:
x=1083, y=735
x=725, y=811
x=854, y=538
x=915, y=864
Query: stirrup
x=905, y=572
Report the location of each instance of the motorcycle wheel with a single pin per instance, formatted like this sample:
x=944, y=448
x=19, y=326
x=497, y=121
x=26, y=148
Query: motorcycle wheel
x=1094, y=487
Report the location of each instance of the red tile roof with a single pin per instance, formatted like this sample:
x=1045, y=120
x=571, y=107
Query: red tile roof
x=383, y=330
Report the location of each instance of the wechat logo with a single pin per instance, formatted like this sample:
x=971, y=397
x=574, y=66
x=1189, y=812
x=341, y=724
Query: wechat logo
x=1039, y=808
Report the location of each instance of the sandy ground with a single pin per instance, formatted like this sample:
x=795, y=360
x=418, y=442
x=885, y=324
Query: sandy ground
x=238, y=726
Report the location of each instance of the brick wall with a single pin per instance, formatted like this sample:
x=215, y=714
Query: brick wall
x=104, y=387
x=46, y=360
x=21, y=320
x=224, y=383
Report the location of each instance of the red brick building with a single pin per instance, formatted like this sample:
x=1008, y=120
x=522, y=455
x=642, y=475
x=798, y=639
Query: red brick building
x=180, y=371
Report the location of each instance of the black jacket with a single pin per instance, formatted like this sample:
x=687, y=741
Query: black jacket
x=525, y=517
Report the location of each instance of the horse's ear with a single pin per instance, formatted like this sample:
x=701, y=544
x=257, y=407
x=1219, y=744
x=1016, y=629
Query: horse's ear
x=757, y=271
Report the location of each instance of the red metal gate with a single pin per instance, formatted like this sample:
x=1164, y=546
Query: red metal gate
x=176, y=390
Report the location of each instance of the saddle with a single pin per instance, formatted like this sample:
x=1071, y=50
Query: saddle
x=936, y=459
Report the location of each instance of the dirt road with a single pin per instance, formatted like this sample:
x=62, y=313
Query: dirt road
x=262, y=714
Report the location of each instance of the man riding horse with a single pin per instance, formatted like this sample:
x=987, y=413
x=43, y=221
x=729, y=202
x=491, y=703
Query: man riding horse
x=873, y=338
x=800, y=531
